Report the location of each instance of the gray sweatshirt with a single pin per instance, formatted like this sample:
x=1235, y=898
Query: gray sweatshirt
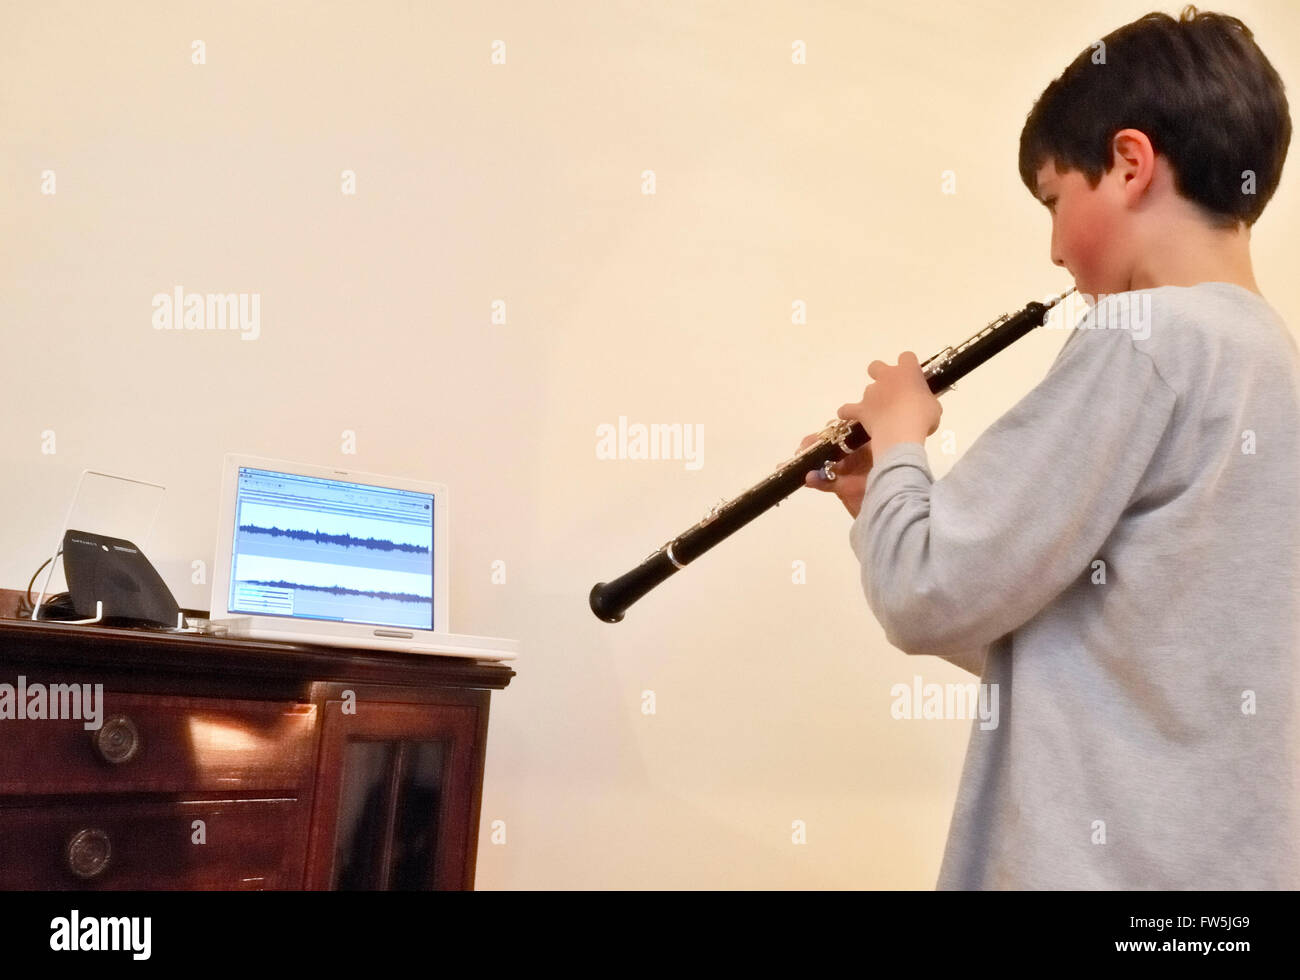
x=1120, y=554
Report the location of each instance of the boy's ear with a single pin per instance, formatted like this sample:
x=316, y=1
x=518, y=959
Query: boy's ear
x=1134, y=160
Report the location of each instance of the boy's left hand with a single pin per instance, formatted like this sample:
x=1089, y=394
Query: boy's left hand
x=897, y=407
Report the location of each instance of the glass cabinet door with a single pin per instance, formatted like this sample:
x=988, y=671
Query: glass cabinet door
x=387, y=825
x=394, y=798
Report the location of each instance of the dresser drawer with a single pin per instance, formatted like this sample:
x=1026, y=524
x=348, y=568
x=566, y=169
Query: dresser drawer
x=248, y=844
x=151, y=743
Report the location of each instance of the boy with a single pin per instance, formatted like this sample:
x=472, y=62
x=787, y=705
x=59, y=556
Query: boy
x=1120, y=552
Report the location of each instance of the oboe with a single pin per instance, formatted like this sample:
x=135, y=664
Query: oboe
x=839, y=438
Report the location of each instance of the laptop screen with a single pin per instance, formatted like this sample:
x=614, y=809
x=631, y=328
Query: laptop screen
x=313, y=548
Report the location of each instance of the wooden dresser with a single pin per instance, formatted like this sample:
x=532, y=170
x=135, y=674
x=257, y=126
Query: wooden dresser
x=235, y=764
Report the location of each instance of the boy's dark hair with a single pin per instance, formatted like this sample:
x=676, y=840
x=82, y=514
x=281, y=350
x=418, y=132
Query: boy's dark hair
x=1198, y=87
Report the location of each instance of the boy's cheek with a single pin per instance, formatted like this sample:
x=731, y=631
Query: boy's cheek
x=1092, y=252
x=1096, y=247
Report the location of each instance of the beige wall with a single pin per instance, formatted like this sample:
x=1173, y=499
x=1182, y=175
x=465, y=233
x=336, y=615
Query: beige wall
x=522, y=182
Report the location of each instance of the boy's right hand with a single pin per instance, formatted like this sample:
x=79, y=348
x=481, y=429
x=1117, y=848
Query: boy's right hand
x=850, y=483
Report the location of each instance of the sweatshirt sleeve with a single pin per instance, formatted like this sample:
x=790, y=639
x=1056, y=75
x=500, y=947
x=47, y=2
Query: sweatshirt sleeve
x=950, y=566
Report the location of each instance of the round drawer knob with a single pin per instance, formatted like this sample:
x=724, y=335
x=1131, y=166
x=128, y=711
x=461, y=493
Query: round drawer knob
x=88, y=853
x=118, y=740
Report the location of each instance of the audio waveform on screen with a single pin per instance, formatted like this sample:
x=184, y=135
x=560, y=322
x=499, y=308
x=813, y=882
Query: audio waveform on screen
x=346, y=540
x=340, y=590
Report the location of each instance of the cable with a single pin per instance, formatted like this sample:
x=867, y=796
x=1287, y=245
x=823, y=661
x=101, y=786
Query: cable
x=60, y=602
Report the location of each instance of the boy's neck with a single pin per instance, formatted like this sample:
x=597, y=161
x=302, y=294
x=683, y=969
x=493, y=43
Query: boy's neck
x=1187, y=251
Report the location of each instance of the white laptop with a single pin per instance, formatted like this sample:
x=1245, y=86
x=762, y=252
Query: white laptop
x=315, y=554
